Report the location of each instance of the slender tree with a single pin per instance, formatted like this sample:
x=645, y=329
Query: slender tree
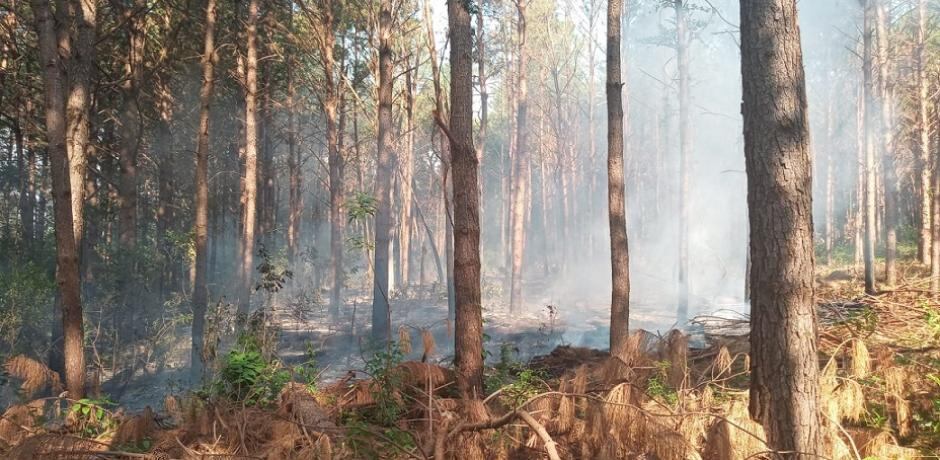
x=685, y=149
x=870, y=189
x=784, y=394
x=67, y=270
x=889, y=173
x=381, y=323
x=923, y=134
x=201, y=221
x=520, y=168
x=468, y=340
x=250, y=182
x=616, y=204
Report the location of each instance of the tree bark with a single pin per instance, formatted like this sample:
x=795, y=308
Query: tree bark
x=201, y=205
x=295, y=179
x=468, y=339
x=890, y=178
x=784, y=370
x=869, y=117
x=67, y=269
x=521, y=167
x=250, y=183
x=616, y=204
x=922, y=128
x=130, y=125
x=685, y=149
x=381, y=323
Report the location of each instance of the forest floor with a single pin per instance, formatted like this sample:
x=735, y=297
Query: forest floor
x=551, y=392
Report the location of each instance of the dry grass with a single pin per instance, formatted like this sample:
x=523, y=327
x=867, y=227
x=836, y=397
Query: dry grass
x=34, y=374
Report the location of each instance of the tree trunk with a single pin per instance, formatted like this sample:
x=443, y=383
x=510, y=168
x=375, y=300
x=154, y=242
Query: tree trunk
x=129, y=128
x=468, y=339
x=79, y=67
x=890, y=178
x=406, y=217
x=869, y=117
x=381, y=324
x=685, y=149
x=784, y=370
x=67, y=270
x=250, y=183
x=922, y=128
x=295, y=196
x=521, y=168
x=616, y=204
x=201, y=205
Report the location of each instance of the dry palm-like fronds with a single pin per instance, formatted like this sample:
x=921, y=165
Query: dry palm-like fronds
x=735, y=436
x=677, y=352
x=417, y=374
x=883, y=446
x=19, y=421
x=861, y=360
x=851, y=401
x=895, y=381
x=404, y=339
x=57, y=446
x=721, y=367
x=136, y=428
x=300, y=406
x=614, y=370
x=427, y=340
x=34, y=374
x=173, y=408
x=902, y=409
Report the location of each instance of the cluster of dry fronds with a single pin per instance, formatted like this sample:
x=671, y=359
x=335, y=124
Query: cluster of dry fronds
x=658, y=399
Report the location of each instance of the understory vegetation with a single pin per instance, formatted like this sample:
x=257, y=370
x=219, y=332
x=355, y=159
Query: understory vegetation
x=880, y=397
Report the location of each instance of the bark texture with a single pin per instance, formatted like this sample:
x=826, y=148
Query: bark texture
x=468, y=340
x=201, y=224
x=381, y=324
x=616, y=204
x=67, y=270
x=784, y=380
x=250, y=179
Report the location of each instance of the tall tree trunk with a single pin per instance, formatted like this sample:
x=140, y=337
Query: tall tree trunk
x=67, y=270
x=869, y=117
x=468, y=339
x=295, y=196
x=79, y=67
x=26, y=161
x=406, y=217
x=685, y=149
x=200, y=225
x=381, y=324
x=890, y=178
x=922, y=128
x=784, y=365
x=129, y=128
x=250, y=183
x=935, y=215
x=521, y=167
x=616, y=204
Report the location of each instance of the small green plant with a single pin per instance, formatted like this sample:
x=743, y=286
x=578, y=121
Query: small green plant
x=249, y=378
x=92, y=416
x=307, y=371
x=657, y=387
x=386, y=380
x=528, y=383
x=933, y=322
x=876, y=416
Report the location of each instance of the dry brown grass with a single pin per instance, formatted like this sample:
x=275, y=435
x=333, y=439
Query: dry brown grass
x=34, y=374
